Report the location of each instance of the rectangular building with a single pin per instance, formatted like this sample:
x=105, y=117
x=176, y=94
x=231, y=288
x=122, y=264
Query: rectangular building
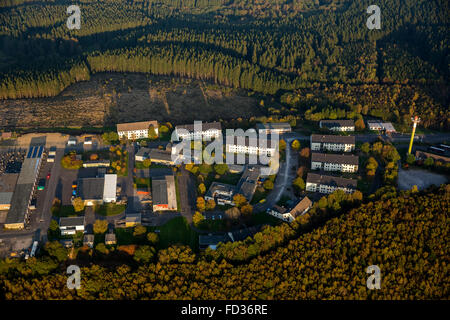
x=274, y=127
x=71, y=225
x=334, y=162
x=338, y=125
x=209, y=130
x=23, y=192
x=332, y=143
x=164, y=193
x=328, y=184
x=136, y=130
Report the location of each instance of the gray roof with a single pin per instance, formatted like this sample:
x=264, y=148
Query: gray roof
x=332, y=139
x=334, y=158
x=91, y=188
x=71, y=221
x=331, y=181
x=338, y=123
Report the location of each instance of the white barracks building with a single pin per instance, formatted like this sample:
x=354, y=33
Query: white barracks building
x=329, y=184
x=136, y=130
x=332, y=143
x=334, y=162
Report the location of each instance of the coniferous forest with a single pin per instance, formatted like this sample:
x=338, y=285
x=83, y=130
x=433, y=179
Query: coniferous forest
x=278, y=47
x=404, y=233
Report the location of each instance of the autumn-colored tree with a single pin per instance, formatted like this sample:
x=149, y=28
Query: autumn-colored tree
x=78, y=204
x=100, y=226
x=201, y=205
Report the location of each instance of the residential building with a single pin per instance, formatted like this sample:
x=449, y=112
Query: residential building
x=136, y=130
x=290, y=214
x=332, y=143
x=252, y=145
x=334, y=162
x=164, y=193
x=71, y=225
x=274, y=127
x=23, y=192
x=208, y=130
x=328, y=184
x=338, y=125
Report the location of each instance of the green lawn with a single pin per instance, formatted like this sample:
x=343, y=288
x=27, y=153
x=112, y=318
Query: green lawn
x=65, y=211
x=177, y=231
x=110, y=209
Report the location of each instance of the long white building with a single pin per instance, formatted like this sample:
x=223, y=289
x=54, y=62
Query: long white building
x=332, y=143
x=136, y=130
x=334, y=162
x=328, y=184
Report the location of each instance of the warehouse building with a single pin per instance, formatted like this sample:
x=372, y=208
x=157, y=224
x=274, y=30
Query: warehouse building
x=164, y=193
x=23, y=192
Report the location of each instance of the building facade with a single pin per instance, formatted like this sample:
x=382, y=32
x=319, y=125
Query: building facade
x=136, y=130
x=332, y=143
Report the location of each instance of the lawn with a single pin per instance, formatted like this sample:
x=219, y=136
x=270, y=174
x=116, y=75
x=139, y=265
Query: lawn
x=65, y=211
x=177, y=231
x=110, y=209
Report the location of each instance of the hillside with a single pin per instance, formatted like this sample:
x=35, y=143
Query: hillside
x=405, y=234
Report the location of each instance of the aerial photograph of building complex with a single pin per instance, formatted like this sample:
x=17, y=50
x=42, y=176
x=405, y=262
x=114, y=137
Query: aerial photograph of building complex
x=220, y=150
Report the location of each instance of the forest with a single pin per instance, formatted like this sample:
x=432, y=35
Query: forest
x=269, y=47
x=404, y=233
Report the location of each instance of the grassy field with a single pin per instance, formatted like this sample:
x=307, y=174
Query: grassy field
x=110, y=209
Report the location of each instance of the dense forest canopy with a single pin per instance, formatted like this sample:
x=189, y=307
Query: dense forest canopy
x=266, y=46
x=405, y=234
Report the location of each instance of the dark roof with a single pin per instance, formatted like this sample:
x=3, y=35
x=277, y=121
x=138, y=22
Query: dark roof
x=162, y=155
x=334, y=158
x=333, y=139
x=133, y=126
x=205, y=126
x=207, y=240
x=71, y=221
x=91, y=188
x=331, y=181
x=337, y=123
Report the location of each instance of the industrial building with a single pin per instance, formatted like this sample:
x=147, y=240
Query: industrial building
x=98, y=190
x=164, y=193
x=332, y=143
x=23, y=192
